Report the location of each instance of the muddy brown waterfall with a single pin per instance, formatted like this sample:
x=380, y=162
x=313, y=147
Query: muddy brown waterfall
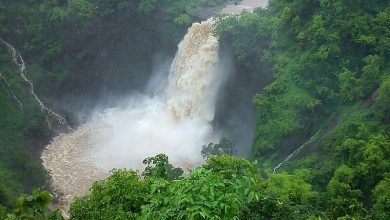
x=176, y=122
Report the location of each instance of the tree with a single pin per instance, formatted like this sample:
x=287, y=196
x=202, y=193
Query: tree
x=383, y=99
x=211, y=191
x=121, y=195
x=225, y=187
x=147, y=5
x=159, y=167
x=224, y=146
x=342, y=198
x=381, y=208
x=34, y=207
x=82, y=8
x=350, y=87
x=285, y=196
x=218, y=190
x=183, y=19
x=3, y=212
x=371, y=72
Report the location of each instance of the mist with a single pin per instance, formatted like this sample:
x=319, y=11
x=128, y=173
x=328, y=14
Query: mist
x=186, y=103
x=173, y=115
x=145, y=128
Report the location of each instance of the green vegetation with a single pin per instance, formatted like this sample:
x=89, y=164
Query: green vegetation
x=160, y=167
x=33, y=207
x=224, y=188
x=320, y=56
x=224, y=146
x=21, y=128
x=330, y=92
x=331, y=72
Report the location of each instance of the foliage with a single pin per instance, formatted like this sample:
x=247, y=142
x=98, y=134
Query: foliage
x=34, y=206
x=224, y=146
x=381, y=206
x=121, y=195
x=81, y=8
x=343, y=201
x=225, y=187
x=202, y=195
x=362, y=143
x=308, y=51
x=21, y=129
x=183, y=19
x=290, y=187
x=330, y=65
x=383, y=99
x=279, y=116
x=286, y=196
x=159, y=167
x=3, y=213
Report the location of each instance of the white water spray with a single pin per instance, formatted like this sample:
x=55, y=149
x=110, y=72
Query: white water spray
x=18, y=60
x=176, y=122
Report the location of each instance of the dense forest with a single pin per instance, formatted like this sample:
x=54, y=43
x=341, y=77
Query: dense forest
x=322, y=74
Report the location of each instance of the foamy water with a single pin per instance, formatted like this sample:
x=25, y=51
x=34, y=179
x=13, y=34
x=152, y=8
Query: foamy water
x=66, y=158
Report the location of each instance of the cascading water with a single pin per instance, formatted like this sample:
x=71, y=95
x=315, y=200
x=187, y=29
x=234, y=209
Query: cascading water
x=18, y=60
x=176, y=122
x=296, y=151
x=192, y=85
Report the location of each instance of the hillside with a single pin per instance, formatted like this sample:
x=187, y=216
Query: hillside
x=303, y=97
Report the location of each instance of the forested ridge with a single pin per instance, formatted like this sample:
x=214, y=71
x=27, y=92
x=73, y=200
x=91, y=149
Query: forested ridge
x=330, y=64
x=324, y=85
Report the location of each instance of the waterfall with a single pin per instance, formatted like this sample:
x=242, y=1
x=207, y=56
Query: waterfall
x=175, y=121
x=296, y=151
x=288, y=158
x=193, y=74
x=18, y=60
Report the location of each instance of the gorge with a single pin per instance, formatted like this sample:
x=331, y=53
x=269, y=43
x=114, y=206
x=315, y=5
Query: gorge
x=277, y=112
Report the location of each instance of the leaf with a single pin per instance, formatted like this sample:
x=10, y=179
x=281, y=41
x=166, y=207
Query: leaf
x=212, y=192
x=251, y=196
